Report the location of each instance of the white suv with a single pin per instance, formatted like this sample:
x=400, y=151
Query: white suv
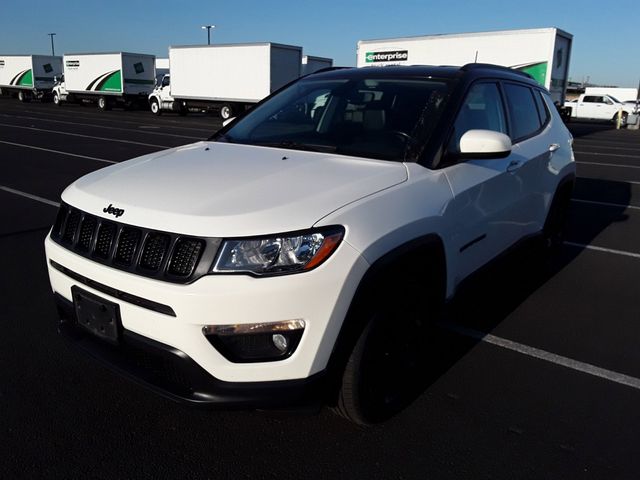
x=296, y=256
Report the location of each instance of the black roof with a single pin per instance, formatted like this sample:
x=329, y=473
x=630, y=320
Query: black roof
x=470, y=71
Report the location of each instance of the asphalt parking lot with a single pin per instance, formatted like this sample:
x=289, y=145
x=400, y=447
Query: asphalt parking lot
x=536, y=368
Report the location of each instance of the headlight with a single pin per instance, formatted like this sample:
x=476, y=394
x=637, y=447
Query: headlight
x=278, y=254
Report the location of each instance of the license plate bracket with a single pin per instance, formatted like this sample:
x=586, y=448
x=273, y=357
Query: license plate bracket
x=97, y=315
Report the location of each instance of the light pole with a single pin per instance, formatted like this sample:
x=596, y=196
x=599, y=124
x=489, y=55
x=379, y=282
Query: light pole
x=208, y=28
x=53, y=52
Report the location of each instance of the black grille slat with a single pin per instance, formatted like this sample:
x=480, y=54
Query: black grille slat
x=185, y=256
x=106, y=234
x=60, y=218
x=154, y=251
x=73, y=220
x=127, y=246
x=87, y=229
x=166, y=256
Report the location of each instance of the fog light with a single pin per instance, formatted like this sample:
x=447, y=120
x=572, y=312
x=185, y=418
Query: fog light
x=256, y=342
x=280, y=341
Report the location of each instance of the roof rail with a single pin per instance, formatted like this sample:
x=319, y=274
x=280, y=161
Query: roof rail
x=473, y=66
x=327, y=69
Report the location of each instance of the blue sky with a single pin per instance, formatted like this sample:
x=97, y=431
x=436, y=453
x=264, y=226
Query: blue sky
x=606, y=39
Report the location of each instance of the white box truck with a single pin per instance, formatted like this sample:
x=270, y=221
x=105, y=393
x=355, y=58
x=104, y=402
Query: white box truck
x=312, y=64
x=544, y=53
x=108, y=79
x=28, y=76
x=224, y=78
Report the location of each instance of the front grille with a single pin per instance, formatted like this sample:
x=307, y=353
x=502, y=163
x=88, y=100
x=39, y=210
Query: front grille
x=161, y=255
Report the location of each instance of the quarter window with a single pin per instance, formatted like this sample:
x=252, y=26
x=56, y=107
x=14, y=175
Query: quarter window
x=522, y=111
x=542, y=109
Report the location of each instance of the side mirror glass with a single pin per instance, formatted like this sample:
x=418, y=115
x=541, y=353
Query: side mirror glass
x=485, y=144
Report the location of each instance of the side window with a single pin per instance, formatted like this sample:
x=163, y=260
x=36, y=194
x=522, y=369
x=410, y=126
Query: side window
x=589, y=99
x=481, y=109
x=522, y=111
x=543, y=113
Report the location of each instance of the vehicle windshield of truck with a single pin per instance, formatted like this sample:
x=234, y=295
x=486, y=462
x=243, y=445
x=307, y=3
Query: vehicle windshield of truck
x=381, y=118
x=614, y=99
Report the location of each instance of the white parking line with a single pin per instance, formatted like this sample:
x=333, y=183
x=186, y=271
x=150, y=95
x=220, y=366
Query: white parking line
x=58, y=152
x=84, y=136
x=30, y=196
x=99, y=116
x=605, y=155
x=605, y=204
x=103, y=126
x=603, y=249
x=608, y=164
x=533, y=352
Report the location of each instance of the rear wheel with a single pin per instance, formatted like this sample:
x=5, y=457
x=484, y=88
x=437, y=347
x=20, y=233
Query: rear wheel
x=155, y=107
x=103, y=104
x=24, y=96
x=226, y=111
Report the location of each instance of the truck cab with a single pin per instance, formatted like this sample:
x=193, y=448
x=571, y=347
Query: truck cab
x=59, y=90
x=160, y=99
x=599, y=107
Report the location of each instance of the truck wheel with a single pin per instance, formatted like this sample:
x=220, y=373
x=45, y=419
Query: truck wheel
x=24, y=97
x=226, y=111
x=155, y=107
x=56, y=99
x=103, y=104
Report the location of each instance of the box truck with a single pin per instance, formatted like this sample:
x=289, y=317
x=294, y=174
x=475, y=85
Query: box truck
x=28, y=76
x=224, y=78
x=312, y=64
x=108, y=79
x=544, y=53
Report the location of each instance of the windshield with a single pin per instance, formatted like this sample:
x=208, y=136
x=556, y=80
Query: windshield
x=382, y=118
x=614, y=99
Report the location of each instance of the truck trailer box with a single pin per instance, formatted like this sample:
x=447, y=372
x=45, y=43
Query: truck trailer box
x=243, y=73
x=29, y=72
x=116, y=74
x=543, y=53
x=312, y=64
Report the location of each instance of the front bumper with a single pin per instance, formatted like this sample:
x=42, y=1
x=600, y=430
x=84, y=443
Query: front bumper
x=173, y=374
x=320, y=297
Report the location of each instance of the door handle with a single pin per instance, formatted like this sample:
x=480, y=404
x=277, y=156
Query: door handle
x=553, y=147
x=514, y=165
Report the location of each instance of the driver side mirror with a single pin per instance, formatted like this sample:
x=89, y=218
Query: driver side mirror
x=484, y=144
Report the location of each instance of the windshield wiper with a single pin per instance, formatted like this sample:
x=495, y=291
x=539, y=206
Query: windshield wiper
x=290, y=144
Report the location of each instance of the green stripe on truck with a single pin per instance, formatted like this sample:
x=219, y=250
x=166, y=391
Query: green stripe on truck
x=26, y=79
x=112, y=83
x=537, y=70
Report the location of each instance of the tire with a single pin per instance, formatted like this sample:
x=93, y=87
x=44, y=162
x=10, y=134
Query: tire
x=385, y=370
x=155, y=107
x=226, y=111
x=103, y=104
x=24, y=97
x=56, y=99
x=623, y=121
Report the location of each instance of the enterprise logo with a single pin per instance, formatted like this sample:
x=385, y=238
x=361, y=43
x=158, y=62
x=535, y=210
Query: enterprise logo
x=394, y=56
x=72, y=64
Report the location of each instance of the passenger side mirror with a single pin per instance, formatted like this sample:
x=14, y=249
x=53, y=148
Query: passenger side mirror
x=228, y=121
x=484, y=144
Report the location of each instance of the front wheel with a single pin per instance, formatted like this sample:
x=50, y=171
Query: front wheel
x=155, y=107
x=384, y=371
x=56, y=99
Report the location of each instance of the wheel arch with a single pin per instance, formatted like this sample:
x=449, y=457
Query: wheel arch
x=407, y=260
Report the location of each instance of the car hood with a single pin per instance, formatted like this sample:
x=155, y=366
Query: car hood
x=224, y=190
